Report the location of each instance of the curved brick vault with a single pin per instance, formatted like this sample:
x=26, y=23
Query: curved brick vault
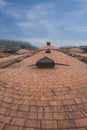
x=44, y=99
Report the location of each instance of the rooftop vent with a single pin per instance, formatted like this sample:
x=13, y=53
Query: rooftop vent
x=48, y=43
x=45, y=62
x=48, y=51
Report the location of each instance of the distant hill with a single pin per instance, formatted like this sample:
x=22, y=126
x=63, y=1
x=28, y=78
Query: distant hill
x=12, y=44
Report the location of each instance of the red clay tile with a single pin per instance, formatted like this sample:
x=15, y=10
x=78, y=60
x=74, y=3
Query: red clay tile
x=32, y=123
x=49, y=124
x=35, y=99
x=1, y=126
x=9, y=127
x=18, y=121
x=81, y=122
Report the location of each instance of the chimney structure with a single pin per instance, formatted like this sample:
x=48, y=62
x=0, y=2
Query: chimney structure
x=48, y=43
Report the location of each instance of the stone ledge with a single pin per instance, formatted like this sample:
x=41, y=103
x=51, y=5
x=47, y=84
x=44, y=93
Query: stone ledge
x=81, y=57
x=11, y=60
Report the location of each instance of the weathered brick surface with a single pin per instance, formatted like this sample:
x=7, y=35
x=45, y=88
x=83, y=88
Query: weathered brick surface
x=9, y=127
x=1, y=126
x=44, y=99
x=18, y=121
x=49, y=124
x=32, y=123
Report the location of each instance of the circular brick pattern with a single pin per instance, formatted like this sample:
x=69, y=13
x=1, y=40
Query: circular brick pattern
x=44, y=99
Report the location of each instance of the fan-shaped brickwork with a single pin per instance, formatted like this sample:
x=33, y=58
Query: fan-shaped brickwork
x=44, y=99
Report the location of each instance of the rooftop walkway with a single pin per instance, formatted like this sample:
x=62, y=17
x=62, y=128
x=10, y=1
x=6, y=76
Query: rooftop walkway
x=44, y=99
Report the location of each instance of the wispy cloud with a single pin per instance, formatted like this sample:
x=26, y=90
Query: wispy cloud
x=44, y=17
x=44, y=21
x=78, y=28
x=38, y=11
x=2, y=3
x=35, y=14
x=11, y=11
x=38, y=18
x=55, y=42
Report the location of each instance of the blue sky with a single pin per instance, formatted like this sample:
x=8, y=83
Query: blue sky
x=62, y=22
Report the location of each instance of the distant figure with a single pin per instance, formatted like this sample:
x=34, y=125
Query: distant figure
x=48, y=43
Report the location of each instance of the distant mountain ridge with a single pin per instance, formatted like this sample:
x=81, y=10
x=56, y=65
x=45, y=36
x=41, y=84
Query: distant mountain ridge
x=11, y=44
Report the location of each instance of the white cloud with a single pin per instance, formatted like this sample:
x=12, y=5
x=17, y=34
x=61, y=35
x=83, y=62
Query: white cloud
x=9, y=9
x=46, y=19
x=38, y=11
x=57, y=43
x=25, y=24
x=35, y=14
x=78, y=28
x=2, y=3
x=39, y=17
x=39, y=42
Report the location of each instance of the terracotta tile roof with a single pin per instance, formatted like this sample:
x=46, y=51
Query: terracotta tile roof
x=22, y=51
x=44, y=99
x=76, y=50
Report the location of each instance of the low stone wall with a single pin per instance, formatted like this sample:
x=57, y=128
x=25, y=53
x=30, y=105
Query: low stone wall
x=80, y=57
x=5, y=62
